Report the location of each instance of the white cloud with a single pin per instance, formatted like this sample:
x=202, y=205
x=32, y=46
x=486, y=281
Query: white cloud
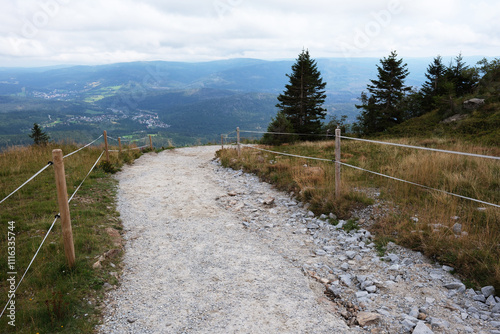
x=94, y=31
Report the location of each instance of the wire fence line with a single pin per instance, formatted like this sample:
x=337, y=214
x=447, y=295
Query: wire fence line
x=44, y=168
x=375, y=173
x=284, y=133
x=382, y=143
x=423, y=148
x=48, y=232
x=28, y=181
x=68, y=155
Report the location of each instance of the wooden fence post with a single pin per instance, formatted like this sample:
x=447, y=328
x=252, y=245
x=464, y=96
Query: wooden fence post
x=337, y=163
x=62, y=198
x=105, y=134
x=222, y=141
x=120, y=145
x=238, y=138
x=150, y=142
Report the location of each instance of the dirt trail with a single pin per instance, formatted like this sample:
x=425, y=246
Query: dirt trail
x=190, y=266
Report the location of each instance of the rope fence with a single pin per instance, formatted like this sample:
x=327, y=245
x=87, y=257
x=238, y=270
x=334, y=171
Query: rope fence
x=338, y=163
x=50, y=163
x=48, y=232
x=64, y=201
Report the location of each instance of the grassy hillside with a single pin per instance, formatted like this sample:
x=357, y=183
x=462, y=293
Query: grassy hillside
x=481, y=126
x=54, y=298
x=412, y=216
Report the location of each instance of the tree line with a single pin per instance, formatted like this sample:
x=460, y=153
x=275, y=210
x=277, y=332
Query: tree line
x=387, y=102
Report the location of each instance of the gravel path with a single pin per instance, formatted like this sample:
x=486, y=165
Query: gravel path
x=191, y=266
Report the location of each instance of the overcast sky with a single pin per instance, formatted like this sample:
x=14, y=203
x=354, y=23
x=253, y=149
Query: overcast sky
x=50, y=32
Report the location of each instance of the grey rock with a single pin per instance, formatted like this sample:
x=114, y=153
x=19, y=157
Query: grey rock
x=488, y=291
x=470, y=293
x=329, y=249
x=346, y=279
x=371, y=289
x=310, y=214
x=384, y=312
x=344, y=266
x=496, y=308
x=332, y=216
x=490, y=301
x=495, y=324
x=479, y=298
x=336, y=291
x=421, y=328
x=320, y=252
x=350, y=254
x=457, y=229
x=408, y=325
x=414, y=312
x=454, y=286
x=439, y=323
x=361, y=294
x=392, y=258
x=312, y=226
x=448, y=268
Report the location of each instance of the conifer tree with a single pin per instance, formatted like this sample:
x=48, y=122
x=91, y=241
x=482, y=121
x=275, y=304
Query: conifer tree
x=302, y=100
x=39, y=137
x=383, y=107
x=435, y=85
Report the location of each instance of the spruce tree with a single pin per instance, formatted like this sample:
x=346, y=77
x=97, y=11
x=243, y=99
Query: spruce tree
x=383, y=107
x=435, y=85
x=302, y=100
x=39, y=137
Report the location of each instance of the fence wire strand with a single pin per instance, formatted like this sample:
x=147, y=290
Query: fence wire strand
x=68, y=155
x=379, y=174
x=28, y=181
x=423, y=148
x=29, y=266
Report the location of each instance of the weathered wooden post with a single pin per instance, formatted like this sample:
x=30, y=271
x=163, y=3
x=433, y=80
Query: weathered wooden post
x=238, y=138
x=337, y=163
x=150, y=142
x=120, y=145
x=105, y=134
x=327, y=133
x=62, y=198
x=222, y=141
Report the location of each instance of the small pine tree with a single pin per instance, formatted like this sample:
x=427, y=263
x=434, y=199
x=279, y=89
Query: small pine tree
x=383, y=108
x=302, y=100
x=280, y=124
x=39, y=137
x=435, y=85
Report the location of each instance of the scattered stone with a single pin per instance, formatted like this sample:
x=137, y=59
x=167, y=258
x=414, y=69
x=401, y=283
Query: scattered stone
x=97, y=265
x=350, y=254
x=454, y=286
x=488, y=291
x=457, y=229
x=421, y=328
x=320, y=252
x=367, y=318
x=268, y=201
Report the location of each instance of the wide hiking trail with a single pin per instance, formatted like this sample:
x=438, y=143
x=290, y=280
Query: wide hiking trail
x=191, y=265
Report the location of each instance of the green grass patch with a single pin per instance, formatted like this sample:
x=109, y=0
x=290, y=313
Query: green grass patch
x=54, y=298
